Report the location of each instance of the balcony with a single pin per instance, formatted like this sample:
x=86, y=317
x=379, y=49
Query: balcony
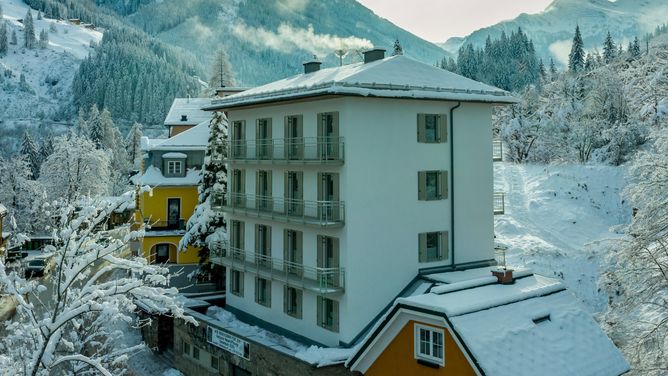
x=497, y=151
x=179, y=225
x=499, y=203
x=302, y=150
x=327, y=214
x=316, y=279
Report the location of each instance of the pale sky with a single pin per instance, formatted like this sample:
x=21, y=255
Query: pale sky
x=438, y=20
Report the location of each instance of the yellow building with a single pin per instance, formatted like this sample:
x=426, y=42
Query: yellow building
x=172, y=168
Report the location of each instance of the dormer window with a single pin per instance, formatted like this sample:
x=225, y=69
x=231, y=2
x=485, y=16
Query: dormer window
x=174, y=167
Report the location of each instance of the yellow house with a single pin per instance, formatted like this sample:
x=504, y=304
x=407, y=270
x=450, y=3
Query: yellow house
x=172, y=170
x=474, y=323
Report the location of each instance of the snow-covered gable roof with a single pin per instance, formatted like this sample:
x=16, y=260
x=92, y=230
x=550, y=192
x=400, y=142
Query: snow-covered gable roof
x=393, y=77
x=191, y=108
x=532, y=327
x=195, y=138
x=153, y=177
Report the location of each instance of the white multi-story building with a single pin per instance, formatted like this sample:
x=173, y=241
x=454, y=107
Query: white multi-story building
x=347, y=183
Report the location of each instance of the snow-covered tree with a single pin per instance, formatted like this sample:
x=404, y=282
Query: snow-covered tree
x=76, y=168
x=541, y=70
x=4, y=40
x=576, y=58
x=95, y=126
x=22, y=195
x=81, y=129
x=30, y=153
x=45, y=148
x=609, y=49
x=39, y=15
x=397, y=49
x=133, y=145
x=521, y=129
x=78, y=326
x=207, y=227
x=14, y=40
x=553, y=69
x=43, y=39
x=636, y=52
x=29, y=40
x=221, y=71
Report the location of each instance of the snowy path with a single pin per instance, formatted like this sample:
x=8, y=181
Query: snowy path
x=560, y=220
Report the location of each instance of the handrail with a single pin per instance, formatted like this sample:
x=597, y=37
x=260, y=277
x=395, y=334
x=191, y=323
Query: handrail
x=305, y=149
x=499, y=203
x=320, y=211
x=497, y=151
x=324, y=279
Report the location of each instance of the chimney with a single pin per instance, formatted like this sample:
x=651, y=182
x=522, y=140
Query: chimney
x=184, y=117
x=312, y=66
x=373, y=55
x=505, y=276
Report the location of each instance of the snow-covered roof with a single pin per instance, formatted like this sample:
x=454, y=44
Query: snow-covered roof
x=195, y=138
x=393, y=77
x=153, y=177
x=174, y=154
x=191, y=108
x=3, y=210
x=532, y=327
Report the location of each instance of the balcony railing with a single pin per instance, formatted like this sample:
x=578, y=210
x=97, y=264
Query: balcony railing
x=312, y=213
x=499, y=203
x=166, y=225
x=301, y=150
x=497, y=151
x=318, y=279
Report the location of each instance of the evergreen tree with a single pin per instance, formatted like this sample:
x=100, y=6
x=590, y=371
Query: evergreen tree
x=82, y=125
x=43, y=39
x=590, y=62
x=14, y=39
x=398, y=50
x=221, y=72
x=577, y=55
x=609, y=49
x=4, y=42
x=46, y=147
x=133, y=145
x=39, y=15
x=541, y=70
x=29, y=31
x=205, y=227
x=635, y=49
x=553, y=69
x=95, y=127
x=30, y=152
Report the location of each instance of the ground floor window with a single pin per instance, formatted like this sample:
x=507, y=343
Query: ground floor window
x=429, y=344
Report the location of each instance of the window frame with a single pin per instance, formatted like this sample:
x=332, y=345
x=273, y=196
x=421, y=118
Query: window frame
x=442, y=182
x=440, y=131
x=417, y=351
x=266, y=302
x=298, y=300
x=237, y=288
x=443, y=246
x=171, y=167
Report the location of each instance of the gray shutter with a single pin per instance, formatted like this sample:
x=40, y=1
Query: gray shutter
x=286, y=233
x=321, y=128
x=420, y=128
x=285, y=298
x=268, y=292
x=257, y=239
x=267, y=239
x=257, y=187
x=242, y=235
x=422, y=185
x=335, y=316
x=242, y=181
x=286, y=189
x=257, y=288
x=422, y=247
x=269, y=183
x=299, y=297
x=300, y=253
x=319, y=303
x=320, y=251
x=443, y=245
x=241, y=283
x=442, y=128
x=335, y=122
x=300, y=184
x=443, y=184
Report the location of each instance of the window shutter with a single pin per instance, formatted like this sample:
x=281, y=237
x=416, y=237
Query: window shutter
x=270, y=134
x=321, y=123
x=268, y=292
x=320, y=250
x=285, y=299
x=442, y=128
x=319, y=309
x=335, y=316
x=257, y=289
x=298, y=238
x=443, y=184
x=422, y=247
x=300, y=181
x=242, y=181
x=267, y=239
x=241, y=283
x=257, y=186
x=242, y=234
x=422, y=185
x=286, y=233
x=269, y=184
x=443, y=246
x=258, y=234
x=420, y=127
x=300, y=125
x=300, y=303
x=257, y=131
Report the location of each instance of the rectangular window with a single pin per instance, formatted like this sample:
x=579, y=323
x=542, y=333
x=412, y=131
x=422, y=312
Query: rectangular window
x=238, y=139
x=186, y=348
x=263, y=139
x=237, y=234
x=237, y=283
x=432, y=128
x=292, y=302
x=215, y=363
x=429, y=344
x=433, y=246
x=263, y=291
x=328, y=314
x=263, y=245
x=196, y=352
x=432, y=185
x=294, y=137
x=174, y=167
x=292, y=252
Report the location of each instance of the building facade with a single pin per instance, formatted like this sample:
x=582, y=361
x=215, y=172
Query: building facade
x=346, y=183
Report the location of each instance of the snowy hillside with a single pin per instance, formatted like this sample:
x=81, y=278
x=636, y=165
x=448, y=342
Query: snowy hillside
x=45, y=97
x=552, y=30
x=561, y=220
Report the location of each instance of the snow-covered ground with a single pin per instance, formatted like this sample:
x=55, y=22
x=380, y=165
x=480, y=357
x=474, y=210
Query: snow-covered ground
x=561, y=220
x=48, y=72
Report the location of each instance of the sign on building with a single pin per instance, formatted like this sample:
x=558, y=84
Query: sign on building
x=228, y=342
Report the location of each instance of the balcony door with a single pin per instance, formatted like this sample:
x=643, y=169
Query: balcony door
x=328, y=136
x=263, y=141
x=263, y=190
x=328, y=197
x=294, y=193
x=263, y=245
x=237, y=233
x=239, y=140
x=292, y=251
x=173, y=212
x=328, y=260
x=294, y=137
x=238, y=188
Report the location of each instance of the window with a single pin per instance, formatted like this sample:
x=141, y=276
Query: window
x=328, y=314
x=263, y=291
x=174, y=167
x=263, y=245
x=429, y=344
x=196, y=352
x=215, y=363
x=432, y=185
x=292, y=252
x=237, y=236
x=432, y=128
x=433, y=246
x=237, y=283
x=186, y=348
x=263, y=139
x=292, y=302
